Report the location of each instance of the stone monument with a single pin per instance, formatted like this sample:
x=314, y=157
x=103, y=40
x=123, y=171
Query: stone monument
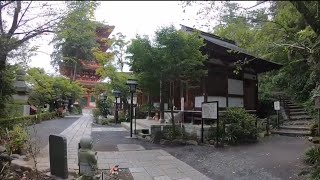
x=58, y=156
x=87, y=158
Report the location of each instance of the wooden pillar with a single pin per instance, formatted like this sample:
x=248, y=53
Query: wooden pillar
x=227, y=90
x=204, y=90
x=88, y=100
x=181, y=92
x=187, y=91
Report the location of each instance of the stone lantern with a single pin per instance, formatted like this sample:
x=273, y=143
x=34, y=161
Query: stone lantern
x=87, y=158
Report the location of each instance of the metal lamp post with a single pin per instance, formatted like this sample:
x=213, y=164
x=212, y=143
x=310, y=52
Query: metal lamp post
x=117, y=94
x=132, y=88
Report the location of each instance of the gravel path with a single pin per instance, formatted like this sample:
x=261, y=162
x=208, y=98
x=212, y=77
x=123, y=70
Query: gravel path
x=45, y=128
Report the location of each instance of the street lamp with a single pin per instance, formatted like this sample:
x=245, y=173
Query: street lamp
x=132, y=88
x=116, y=94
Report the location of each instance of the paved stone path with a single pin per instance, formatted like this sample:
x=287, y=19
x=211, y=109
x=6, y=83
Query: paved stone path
x=143, y=164
x=149, y=165
x=73, y=133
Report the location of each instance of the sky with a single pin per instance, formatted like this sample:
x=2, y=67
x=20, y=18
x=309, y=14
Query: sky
x=129, y=18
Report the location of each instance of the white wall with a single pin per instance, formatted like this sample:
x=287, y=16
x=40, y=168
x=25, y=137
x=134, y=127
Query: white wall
x=235, y=102
x=222, y=100
x=235, y=86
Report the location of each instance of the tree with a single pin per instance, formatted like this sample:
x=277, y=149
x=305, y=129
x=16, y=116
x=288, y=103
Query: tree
x=76, y=38
x=119, y=48
x=145, y=63
x=287, y=33
x=21, y=21
x=176, y=57
x=47, y=89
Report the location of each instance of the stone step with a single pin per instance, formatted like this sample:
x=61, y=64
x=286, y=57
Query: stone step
x=126, y=125
x=294, y=107
x=295, y=127
x=298, y=122
x=298, y=117
x=298, y=113
x=288, y=132
x=296, y=110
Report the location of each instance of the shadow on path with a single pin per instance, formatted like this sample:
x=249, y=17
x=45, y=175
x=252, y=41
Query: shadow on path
x=54, y=126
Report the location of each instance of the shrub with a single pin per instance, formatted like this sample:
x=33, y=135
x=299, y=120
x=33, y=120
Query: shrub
x=172, y=134
x=241, y=126
x=96, y=113
x=26, y=120
x=105, y=122
x=18, y=137
x=312, y=156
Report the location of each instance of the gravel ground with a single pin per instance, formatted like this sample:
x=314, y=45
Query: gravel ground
x=273, y=158
x=54, y=126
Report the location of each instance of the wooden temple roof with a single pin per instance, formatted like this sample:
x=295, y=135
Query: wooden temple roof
x=260, y=65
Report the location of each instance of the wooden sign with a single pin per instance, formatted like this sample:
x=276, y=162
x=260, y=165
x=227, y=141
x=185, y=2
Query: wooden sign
x=317, y=102
x=210, y=110
x=276, y=105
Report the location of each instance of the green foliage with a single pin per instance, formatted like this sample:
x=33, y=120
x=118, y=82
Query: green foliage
x=18, y=137
x=312, y=155
x=47, y=89
x=172, y=133
x=96, y=113
x=104, y=106
x=286, y=32
x=6, y=89
x=240, y=126
x=76, y=33
x=119, y=49
x=26, y=120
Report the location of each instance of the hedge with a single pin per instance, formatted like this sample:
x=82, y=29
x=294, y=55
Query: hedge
x=27, y=120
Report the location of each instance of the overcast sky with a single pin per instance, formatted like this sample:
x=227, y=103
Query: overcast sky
x=130, y=18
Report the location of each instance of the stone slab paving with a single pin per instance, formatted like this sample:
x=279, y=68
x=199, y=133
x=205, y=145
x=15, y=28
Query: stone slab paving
x=80, y=128
x=149, y=164
x=99, y=129
x=130, y=147
x=143, y=164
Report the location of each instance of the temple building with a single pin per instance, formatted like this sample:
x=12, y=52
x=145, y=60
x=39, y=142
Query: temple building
x=221, y=83
x=85, y=72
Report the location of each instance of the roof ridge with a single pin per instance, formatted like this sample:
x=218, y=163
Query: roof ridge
x=212, y=35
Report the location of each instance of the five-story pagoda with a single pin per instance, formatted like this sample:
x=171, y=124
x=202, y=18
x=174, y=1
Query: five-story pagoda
x=85, y=71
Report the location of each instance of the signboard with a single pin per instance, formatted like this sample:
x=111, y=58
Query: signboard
x=182, y=104
x=276, y=105
x=317, y=102
x=210, y=110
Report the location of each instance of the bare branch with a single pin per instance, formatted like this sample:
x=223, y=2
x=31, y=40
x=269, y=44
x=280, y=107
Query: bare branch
x=5, y=4
x=24, y=13
x=261, y=2
x=294, y=46
x=15, y=19
x=308, y=16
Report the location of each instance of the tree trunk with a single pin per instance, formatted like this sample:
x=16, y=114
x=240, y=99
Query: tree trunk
x=3, y=58
x=149, y=105
x=161, y=101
